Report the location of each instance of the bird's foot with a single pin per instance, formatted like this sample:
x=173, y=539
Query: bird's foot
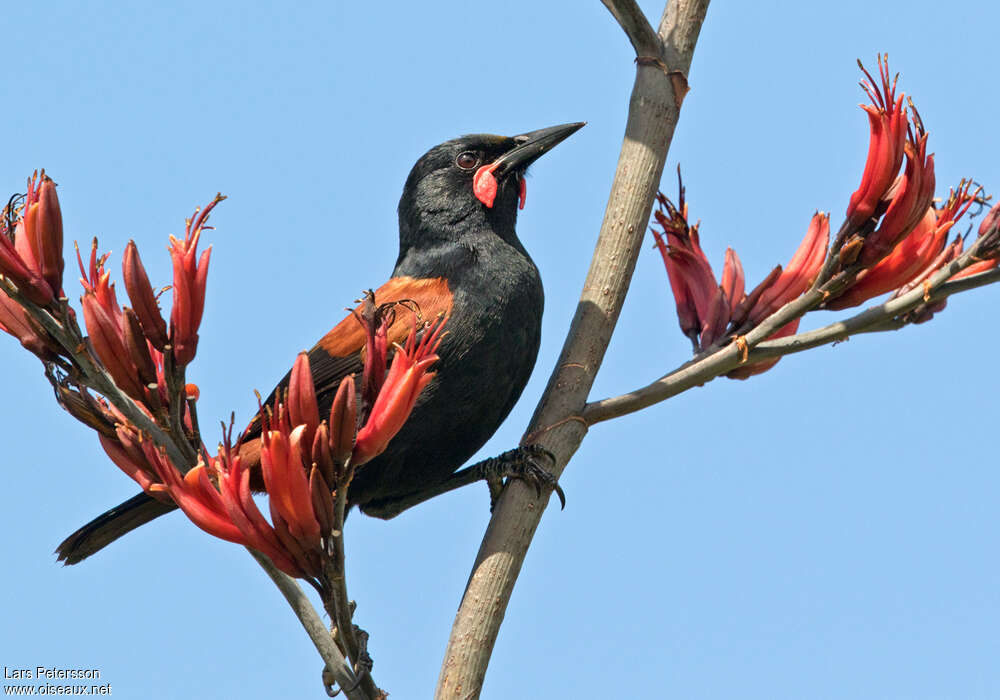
x=362, y=668
x=524, y=463
x=365, y=662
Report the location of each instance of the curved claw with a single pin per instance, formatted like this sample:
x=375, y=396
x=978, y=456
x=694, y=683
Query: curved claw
x=535, y=475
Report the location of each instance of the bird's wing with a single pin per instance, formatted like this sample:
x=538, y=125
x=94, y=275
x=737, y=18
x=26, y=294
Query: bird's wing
x=341, y=351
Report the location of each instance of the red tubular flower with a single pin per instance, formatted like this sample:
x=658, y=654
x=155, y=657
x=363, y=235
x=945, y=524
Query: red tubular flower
x=888, y=121
x=195, y=494
x=703, y=307
x=800, y=272
x=292, y=540
x=407, y=377
x=227, y=512
x=283, y=463
x=140, y=293
x=190, y=275
x=234, y=484
x=693, y=287
x=909, y=197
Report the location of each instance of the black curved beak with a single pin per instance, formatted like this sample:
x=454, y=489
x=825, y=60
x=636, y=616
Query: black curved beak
x=532, y=146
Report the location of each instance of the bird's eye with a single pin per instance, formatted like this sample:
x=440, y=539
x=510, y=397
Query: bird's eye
x=467, y=160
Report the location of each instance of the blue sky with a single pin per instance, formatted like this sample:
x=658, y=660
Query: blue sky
x=828, y=529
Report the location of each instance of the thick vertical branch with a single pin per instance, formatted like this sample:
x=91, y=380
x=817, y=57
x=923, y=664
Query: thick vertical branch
x=653, y=112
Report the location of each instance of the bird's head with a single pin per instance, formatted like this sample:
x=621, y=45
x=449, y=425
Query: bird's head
x=471, y=184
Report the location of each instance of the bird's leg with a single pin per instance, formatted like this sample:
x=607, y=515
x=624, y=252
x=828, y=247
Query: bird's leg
x=520, y=463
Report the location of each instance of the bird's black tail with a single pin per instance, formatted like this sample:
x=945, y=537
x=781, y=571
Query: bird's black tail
x=109, y=526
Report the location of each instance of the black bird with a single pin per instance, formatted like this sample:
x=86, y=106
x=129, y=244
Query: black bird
x=458, y=255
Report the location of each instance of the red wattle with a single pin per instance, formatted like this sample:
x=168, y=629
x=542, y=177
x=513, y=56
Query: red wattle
x=522, y=193
x=484, y=185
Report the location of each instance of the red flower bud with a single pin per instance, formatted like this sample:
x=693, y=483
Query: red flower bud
x=343, y=421
x=108, y=343
x=733, y=279
x=42, y=214
x=302, y=408
x=991, y=221
x=321, y=455
x=140, y=292
x=322, y=500
x=138, y=348
x=800, y=272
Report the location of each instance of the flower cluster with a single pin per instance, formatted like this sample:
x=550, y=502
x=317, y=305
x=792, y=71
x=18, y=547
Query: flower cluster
x=894, y=236
x=893, y=239
x=128, y=342
x=31, y=240
x=922, y=251
x=710, y=311
x=304, y=460
x=31, y=247
x=305, y=463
